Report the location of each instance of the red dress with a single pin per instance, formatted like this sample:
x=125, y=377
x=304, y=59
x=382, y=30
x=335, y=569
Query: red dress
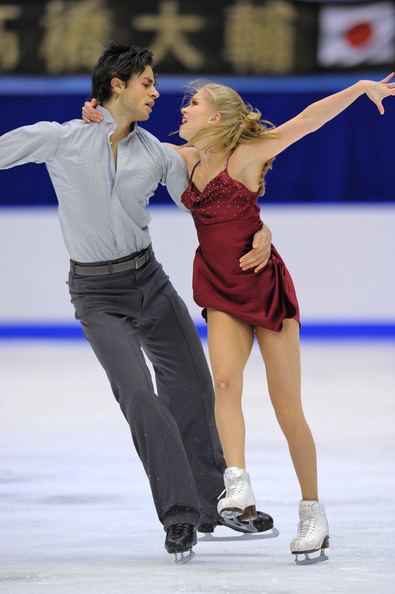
x=226, y=216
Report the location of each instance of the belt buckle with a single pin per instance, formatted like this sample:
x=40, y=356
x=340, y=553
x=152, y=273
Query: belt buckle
x=140, y=260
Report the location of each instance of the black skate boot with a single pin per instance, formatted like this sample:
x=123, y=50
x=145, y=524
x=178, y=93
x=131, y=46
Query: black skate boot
x=180, y=538
x=261, y=523
x=207, y=528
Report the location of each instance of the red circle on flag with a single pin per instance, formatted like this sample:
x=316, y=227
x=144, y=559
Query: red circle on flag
x=359, y=34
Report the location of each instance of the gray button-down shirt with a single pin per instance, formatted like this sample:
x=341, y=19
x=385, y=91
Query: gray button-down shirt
x=102, y=208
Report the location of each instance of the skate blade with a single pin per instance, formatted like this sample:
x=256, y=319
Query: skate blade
x=245, y=526
x=311, y=560
x=184, y=557
x=243, y=536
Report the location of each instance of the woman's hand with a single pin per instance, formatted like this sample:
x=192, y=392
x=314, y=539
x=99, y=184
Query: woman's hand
x=377, y=91
x=258, y=257
x=90, y=113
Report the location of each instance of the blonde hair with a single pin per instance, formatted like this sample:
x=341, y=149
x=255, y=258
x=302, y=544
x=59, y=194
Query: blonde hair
x=239, y=121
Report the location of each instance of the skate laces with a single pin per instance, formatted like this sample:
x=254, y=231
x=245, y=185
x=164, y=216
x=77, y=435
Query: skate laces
x=306, y=528
x=178, y=530
x=234, y=489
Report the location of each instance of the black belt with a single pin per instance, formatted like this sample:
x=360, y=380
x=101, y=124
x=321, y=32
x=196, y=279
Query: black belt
x=132, y=262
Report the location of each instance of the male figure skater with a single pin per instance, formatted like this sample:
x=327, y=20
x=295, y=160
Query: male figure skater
x=103, y=177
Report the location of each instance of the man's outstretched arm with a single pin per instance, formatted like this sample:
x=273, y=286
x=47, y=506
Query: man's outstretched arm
x=29, y=144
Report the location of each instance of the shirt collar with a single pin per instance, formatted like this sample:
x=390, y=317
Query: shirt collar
x=109, y=121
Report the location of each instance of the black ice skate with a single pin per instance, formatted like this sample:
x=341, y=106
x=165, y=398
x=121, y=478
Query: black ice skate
x=180, y=538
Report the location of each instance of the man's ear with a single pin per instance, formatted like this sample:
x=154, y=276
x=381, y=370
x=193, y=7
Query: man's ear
x=117, y=86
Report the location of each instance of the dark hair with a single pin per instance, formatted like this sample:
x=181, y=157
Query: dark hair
x=119, y=61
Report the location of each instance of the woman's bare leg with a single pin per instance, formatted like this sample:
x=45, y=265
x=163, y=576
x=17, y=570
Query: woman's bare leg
x=281, y=354
x=229, y=342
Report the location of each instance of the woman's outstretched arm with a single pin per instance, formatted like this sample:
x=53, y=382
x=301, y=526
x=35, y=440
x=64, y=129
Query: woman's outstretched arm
x=319, y=113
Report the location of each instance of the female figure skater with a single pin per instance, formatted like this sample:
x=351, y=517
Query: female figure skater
x=228, y=152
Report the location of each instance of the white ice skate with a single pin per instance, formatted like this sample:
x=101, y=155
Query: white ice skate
x=239, y=500
x=313, y=533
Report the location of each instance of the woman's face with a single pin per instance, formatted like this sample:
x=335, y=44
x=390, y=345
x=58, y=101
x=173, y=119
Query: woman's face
x=197, y=115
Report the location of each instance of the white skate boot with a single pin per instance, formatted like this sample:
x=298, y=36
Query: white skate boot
x=313, y=533
x=239, y=500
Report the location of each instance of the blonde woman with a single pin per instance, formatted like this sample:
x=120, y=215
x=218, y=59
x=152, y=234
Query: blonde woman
x=228, y=152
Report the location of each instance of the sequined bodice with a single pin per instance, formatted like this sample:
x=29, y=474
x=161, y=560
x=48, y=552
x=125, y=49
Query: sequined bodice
x=223, y=199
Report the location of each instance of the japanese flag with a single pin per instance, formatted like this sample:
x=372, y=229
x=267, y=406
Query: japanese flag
x=354, y=35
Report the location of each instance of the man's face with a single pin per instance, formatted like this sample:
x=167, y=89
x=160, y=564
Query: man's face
x=138, y=97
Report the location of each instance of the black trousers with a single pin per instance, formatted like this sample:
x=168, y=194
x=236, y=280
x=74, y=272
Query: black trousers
x=173, y=431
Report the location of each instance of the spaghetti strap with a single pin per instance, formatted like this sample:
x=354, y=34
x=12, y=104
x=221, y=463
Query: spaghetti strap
x=225, y=168
x=229, y=156
x=192, y=172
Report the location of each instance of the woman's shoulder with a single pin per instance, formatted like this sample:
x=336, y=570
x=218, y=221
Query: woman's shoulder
x=254, y=150
x=189, y=154
x=244, y=150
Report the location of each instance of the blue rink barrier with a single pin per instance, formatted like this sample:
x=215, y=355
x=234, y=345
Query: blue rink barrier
x=310, y=331
x=11, y=85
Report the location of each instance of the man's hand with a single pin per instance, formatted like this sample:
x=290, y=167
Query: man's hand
x=90, y=113
x=258, y=257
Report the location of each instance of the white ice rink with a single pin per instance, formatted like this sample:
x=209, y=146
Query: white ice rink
x=76, y=512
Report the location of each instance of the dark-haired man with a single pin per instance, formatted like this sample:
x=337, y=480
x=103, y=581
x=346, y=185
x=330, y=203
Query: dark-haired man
x=103, y=177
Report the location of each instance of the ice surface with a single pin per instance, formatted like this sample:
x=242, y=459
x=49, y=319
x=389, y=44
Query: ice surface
x=76, y=513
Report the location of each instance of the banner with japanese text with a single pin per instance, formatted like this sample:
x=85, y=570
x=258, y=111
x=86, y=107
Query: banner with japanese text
x=269, y=37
